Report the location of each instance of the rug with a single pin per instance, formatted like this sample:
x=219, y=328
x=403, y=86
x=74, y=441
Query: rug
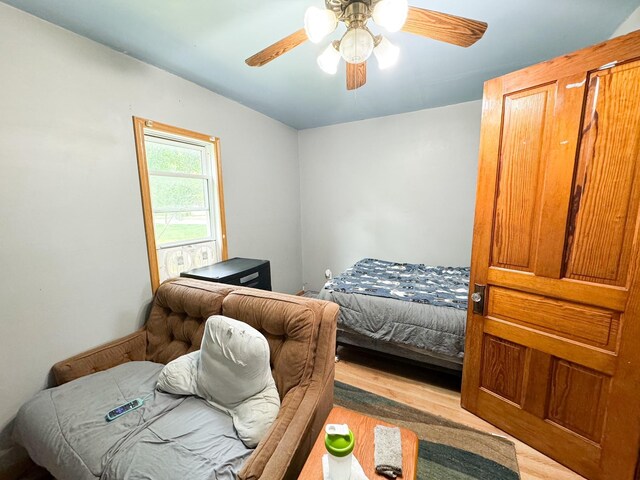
x=447, y=450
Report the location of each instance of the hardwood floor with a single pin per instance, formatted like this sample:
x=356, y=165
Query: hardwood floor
x=437, y=393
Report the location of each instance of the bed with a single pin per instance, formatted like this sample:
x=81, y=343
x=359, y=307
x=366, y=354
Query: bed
x=413, y=311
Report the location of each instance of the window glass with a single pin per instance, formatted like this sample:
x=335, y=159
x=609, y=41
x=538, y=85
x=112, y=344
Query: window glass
x=178, y=193
x=163, y=157
x=177, y=227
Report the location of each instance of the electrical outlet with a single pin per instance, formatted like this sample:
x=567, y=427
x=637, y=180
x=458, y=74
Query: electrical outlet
x=327, y=274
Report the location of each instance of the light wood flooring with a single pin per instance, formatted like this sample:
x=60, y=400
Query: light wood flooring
x=439, y=394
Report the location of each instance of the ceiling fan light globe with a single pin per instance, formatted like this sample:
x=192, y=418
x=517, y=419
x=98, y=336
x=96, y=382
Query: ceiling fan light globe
x=319, y=22
x=356, y=45
x=391, y=14
x=386, y=53
x=329, y=59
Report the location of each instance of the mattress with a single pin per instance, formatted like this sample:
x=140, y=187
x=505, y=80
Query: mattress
x=417, y=307
x=170, y=436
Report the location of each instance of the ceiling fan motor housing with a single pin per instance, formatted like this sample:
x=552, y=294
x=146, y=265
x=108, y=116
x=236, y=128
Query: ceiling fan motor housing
x=343, y=12
x=356, y=15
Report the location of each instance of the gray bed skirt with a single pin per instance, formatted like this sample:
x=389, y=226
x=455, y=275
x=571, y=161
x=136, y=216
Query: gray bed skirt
x=427, y=334
x=415, y=356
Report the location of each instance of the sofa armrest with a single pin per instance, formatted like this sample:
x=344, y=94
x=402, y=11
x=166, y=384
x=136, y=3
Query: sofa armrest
x=304, y=409
x=273, y=455
x=126, y=349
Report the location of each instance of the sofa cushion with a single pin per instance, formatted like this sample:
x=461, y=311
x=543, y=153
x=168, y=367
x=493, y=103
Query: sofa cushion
x=64, y=429
x=290, y=325
x=178, y=314
x=232, y=372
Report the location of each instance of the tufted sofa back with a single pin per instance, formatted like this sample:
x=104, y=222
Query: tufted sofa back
x=290, y=325
x=176, y=321
x=181, y=307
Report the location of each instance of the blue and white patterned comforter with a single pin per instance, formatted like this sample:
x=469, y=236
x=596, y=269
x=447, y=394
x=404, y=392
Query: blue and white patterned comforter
x=437, y=286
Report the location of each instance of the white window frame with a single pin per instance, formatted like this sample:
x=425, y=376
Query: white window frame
x=212, y=206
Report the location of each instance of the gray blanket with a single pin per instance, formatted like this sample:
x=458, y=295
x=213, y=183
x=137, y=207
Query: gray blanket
x=170, y=437
x=440, y=331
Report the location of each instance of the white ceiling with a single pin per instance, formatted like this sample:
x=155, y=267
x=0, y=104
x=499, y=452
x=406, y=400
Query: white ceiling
x=206, y=41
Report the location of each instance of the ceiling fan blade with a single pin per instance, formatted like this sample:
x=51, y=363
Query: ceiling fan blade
x=460, y=31
x=356, y=75
x=274, y=51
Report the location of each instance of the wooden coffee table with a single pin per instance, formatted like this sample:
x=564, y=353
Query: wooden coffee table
x=363, y=428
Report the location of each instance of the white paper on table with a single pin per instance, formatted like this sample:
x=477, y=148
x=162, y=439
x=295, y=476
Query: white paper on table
x=357, y=473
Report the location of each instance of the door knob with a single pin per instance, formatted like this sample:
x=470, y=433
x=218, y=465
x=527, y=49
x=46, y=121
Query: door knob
x=477, y=297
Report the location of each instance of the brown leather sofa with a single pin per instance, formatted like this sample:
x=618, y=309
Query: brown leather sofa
x=301, y=334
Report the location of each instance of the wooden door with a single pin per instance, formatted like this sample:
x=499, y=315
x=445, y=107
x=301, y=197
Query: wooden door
x=553, y=355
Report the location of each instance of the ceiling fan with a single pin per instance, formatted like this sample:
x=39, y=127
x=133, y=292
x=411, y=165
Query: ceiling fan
x=357, y=44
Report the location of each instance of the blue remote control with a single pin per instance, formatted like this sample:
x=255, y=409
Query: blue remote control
x=122, y=409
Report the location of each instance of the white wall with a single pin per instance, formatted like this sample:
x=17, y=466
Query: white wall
x=72, y=246
x=629, y=25
x=399, y=188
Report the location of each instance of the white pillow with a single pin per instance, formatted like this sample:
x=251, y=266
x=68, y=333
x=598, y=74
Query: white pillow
x=232, y=372
x=179, y=376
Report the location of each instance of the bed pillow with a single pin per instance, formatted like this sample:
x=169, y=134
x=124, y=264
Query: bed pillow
x=179, y=376
x=232, y=372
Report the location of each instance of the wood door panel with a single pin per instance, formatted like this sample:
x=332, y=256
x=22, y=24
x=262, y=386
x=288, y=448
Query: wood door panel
x=574, y=321
x=576, y=398
x=606, y=194
x=536, y=393
x=520, y=173
x=607, y=297
x=591, y=357
x=542, y=434
x=558, y=177
x=503, y=368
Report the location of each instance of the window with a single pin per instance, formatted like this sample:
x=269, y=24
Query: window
x=181, y=186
